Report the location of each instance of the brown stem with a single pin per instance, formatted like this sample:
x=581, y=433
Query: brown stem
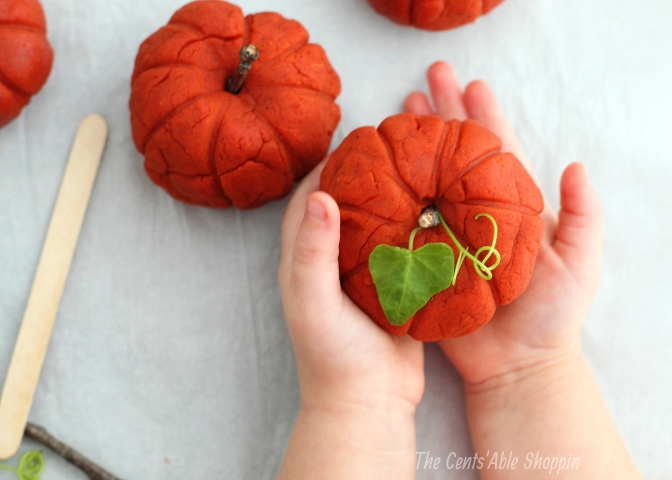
x=93, y=471
x=429, y=217
x=248, y=54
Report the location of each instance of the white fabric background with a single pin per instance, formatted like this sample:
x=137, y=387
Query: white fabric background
x=170, y=358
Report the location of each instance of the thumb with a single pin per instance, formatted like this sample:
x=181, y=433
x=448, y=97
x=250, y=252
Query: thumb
x=580, y=227
x=314, y=280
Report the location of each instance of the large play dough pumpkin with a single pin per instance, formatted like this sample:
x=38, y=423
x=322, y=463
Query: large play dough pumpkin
x=211, y=147
x=383, y=178
x=433, y=14
x=25, y=55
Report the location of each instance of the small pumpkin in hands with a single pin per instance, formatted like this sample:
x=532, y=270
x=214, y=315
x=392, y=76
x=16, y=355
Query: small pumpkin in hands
x=433, y=14
x=25, y=55
x=478, y=208
x=222, y=125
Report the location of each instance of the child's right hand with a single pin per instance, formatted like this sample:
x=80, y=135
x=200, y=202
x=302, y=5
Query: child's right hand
x=542, y=326
x=359, y=385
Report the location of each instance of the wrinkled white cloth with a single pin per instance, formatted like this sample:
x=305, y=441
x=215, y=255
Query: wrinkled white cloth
x=170, y=358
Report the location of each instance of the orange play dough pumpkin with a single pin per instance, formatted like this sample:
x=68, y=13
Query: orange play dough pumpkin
x=433, y=14
x=383, y=178
x=209, y=147
x=25, y=55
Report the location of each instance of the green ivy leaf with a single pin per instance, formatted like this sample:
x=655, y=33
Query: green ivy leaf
x=406, y=280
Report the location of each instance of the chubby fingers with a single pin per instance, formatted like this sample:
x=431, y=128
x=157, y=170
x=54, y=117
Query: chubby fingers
x=313, y=267
x=308, y=273
x=482, y=106
x=578, y=237
x=446, y=92
x=446, y=95
x=418, y=103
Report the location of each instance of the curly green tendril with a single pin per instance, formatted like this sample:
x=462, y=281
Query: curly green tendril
x=483, y=271
x=31, y=466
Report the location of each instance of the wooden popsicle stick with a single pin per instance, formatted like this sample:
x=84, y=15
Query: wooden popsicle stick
x=52, y=270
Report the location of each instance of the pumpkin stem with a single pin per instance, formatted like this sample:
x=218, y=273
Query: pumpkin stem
x=429, y=217
x=248, y=54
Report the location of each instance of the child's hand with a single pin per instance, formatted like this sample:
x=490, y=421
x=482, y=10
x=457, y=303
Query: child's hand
x=359, y=385
x=542, y=326
x=528, y=387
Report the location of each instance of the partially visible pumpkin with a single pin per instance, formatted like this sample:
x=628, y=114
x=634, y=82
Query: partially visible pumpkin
x=433, y=14
x=25, y=55
x=383, y=178
x=209, y=147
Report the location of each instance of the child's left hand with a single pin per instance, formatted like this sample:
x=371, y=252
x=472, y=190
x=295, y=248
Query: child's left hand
x=542, y=327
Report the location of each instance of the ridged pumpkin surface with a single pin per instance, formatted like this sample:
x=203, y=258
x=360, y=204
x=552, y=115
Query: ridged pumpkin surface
x=383, y=178
x=210, y=147
x=433, y=14
x=25, y=55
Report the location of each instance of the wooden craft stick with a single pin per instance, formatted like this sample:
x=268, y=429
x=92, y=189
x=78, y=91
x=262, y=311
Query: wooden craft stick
x=52, y=270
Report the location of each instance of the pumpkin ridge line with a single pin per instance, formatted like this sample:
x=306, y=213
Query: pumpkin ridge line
x=299, y=73
x=317, y=92
x=171, y=189
x=187, y=66
x=397, y=174
x=170, y=115
x=253, y=160
x=281, y=56
x=12, y=86
x=356, y=209
x=439, y=156
x=23, y=26
x=255, y=199
x=469, y=167
x=499, y=205
x=176, y=142
x=214, y=136
x=367, y=241
x=494, y=288
x=359, y=266
x=204, y=36
x=448, y=161
x=289, y=152
x=185, y=175
x=191, y=42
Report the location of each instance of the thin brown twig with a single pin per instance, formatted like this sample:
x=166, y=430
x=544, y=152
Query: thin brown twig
x=93, y=471
x=248, y=54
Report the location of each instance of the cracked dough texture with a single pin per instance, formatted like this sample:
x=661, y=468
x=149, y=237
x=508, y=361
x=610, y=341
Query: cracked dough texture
x=433, y=14
x=383, y=178
x=208, y=147
x=25, y=55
